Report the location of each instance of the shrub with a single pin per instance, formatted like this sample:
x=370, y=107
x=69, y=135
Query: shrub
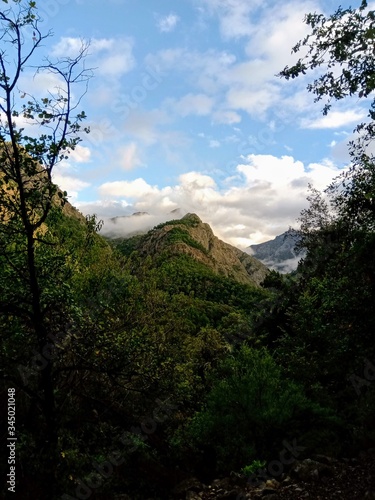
x=248, y=410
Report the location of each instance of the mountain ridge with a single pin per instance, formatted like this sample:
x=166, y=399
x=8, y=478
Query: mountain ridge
x=279, y=253
x=194, y=238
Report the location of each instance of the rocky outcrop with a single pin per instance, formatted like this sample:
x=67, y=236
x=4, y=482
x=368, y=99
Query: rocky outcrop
x=280, y=253
x=191, y=236
x=320, y=478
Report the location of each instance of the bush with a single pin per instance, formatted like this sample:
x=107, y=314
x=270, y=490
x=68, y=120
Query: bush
x=255, y=465
x=248, y=410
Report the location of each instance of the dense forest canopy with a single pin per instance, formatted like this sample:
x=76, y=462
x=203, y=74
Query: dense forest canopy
x=134, y=370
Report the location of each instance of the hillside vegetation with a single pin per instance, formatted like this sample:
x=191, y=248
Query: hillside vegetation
x=145, y=367
x=149, y=323
x=192, y=238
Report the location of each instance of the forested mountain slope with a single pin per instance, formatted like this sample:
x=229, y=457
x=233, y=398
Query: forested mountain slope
x=148, y=368
x=191, y=237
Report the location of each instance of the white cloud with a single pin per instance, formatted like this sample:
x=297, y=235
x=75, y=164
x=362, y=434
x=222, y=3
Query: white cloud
x=226, y=117
x=251, y=83
x=206, y=70
x=278, y=30
x=168, y=23
x=165, y=59
x=65, y=173
x=106, y=208
x=71, y=46
x=234, y=16
x=255, y=101
x=67, y=47
x=196, y=180
x=144, y=125
x=246, y=83
x=150, y=128
x=192, y=104
x=300, y=102
x=40, y=83
x=127, y=189
x=134, y=223
x=112, y=57
x=80, y=154
x=118, y=58
x=214, y=144
x=335, y=119
x=269, y=198
x=72, y=185
x=129, y=156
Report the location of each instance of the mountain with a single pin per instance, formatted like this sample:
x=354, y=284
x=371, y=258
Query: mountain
x=115, y=220
x=36, y=182
x=126, y=226
x=280, y=253
x=191, y=237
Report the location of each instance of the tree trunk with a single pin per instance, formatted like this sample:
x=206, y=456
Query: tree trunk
x=49, y=438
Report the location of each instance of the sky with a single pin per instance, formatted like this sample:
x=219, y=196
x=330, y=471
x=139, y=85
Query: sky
x=186, y=113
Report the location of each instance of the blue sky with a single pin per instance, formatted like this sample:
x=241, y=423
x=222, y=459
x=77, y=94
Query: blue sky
x=186, y=112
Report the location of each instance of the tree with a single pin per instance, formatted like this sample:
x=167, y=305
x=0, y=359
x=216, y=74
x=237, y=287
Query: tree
x=331, y=322
x=28, y=196
x=249, y=407
x=342, y=44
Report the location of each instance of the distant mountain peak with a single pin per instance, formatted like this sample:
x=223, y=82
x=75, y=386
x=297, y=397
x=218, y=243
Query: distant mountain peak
x=176, y=211
x=194, y=238
x=118, y=218
x=192, y=217
x=139, y=214
x=280, y=253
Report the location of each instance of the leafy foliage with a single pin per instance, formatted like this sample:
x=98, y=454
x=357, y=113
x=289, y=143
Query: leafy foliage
x=178, y=234
x=330, y=320
x=188, y=221
x=343, y=44
x=255, y=465
x=249, y=407
x=95, y=335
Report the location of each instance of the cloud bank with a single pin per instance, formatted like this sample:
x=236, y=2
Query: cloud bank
x=262, y=199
